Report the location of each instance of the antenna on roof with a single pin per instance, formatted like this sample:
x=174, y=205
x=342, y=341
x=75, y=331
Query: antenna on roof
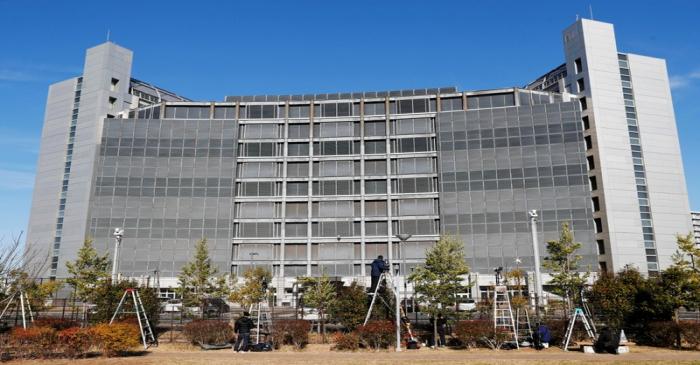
x=590, y=10
x=576, y=17
x=108, y=34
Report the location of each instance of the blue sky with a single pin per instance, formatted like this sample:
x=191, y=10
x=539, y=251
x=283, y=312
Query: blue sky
x=206, y=50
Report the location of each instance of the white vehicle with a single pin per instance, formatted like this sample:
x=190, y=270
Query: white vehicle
x=172, y=305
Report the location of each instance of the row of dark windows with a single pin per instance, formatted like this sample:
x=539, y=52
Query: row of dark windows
x=476, y=175
x=545, y=215
x=510, y=142
x=340, y=109
x=271, y=149
x=496, y=228
x=508, y=184
x=541, y=129
x=215, y=187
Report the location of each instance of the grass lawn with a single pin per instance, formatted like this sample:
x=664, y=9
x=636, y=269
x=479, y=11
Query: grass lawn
x=319, y=354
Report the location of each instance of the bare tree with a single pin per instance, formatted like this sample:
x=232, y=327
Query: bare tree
x=19, y=263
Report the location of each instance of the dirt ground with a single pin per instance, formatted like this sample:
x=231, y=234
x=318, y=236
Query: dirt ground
x=320, y=354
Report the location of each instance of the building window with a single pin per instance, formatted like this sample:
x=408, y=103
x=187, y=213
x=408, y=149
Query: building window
x=114, y=85
x=598, y=225
x=596, y=204
x=591, y=162
x=578, y=65
x=112, y=102
x=594, y=183
x=581, y=85
x=603, y=266
x=584, y=103
x=601, y=247
x=589, y=142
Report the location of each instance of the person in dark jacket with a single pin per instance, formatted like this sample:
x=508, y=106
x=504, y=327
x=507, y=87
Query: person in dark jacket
x=378, y=267
x=441, y=329
x=242, y=328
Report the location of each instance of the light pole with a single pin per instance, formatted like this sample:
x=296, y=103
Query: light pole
x=402, y=252
x=536, y=253
x=402, y=238
x=118, y=235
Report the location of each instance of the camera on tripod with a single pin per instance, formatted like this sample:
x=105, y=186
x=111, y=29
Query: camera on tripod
x=386, y=267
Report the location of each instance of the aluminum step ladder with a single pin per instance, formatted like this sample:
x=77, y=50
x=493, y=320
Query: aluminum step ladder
x=578, y=314
x=387, y=280
x=522, y=321
x=262, y=319
x=503, y=313
x=147, y=335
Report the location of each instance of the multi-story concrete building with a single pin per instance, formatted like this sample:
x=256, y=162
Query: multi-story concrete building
x=695, y=217
x=305, y=184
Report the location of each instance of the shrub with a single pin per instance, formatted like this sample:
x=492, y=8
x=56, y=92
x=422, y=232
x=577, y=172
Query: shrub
x=56, y=323
x=208, y=332
x=34, y=342
x=116, y=338
x=472, y=334
x=377, y=334
x=498, y=338
x=75, y=342
x=659, y=334
x=106, y=297
x=557, y=330
x=291, y=332
x=346, y=341
x=691, y=333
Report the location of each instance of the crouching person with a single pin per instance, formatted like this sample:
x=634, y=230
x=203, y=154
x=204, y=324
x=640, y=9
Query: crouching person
x=242, y=328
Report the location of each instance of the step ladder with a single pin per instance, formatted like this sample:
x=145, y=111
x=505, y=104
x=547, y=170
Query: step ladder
x=262, y=319
x=24, y=307
x=387, y=280
x=503, y=313
x=147, y=335
x=522, y=321
x=578, y=314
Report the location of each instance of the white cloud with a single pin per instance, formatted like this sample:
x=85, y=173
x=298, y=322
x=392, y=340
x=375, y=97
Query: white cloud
x=681, y=81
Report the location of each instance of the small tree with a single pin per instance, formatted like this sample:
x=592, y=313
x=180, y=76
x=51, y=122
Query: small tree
x=516, y=278
x=319, y=293
x=251, y=291
x=87, y=270
x=437, y=281
x=613, y=296
x=196, y=277
x=563, y=262
x=106, y=296
x=350, y=306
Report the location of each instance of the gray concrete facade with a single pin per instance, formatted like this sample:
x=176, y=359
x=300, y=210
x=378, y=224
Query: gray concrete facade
x=634, y=156
x=323, y=183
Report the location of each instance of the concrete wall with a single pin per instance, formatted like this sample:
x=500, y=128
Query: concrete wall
x=594, y=42
x=102, y=64
x=49, y=171
x=668, y=194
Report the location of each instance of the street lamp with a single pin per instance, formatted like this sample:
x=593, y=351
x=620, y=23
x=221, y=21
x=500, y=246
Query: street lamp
x=402, y=238
x=536, y=253
x=118, y=235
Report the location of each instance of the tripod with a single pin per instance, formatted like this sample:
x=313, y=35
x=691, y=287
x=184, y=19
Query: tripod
x=387, y=280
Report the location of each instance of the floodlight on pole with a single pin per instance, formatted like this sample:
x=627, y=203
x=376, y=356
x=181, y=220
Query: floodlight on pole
x=536, y=253
x=118, y=235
